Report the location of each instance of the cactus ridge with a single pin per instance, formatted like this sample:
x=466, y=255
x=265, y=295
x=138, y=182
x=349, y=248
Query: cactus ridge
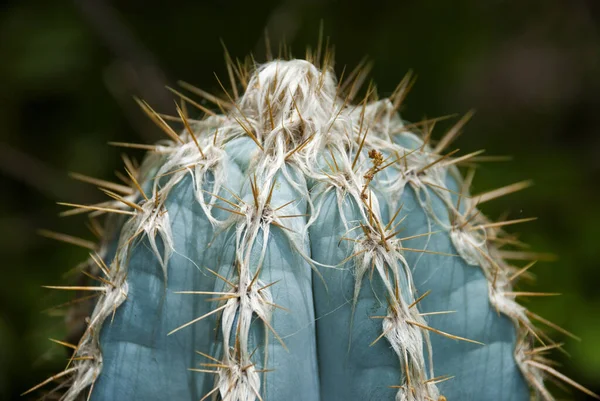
x=300, y=240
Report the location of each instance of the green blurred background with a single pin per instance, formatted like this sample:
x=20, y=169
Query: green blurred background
x=68, y=70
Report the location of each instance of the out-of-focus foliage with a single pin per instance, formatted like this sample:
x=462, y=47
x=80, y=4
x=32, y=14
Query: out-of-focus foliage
x=68, y=70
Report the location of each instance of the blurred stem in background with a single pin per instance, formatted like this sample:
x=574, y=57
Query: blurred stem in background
x=69, y=71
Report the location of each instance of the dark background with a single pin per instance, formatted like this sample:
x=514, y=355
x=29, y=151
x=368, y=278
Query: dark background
x=68, y=70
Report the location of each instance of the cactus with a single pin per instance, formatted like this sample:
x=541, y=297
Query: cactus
x=303, y=246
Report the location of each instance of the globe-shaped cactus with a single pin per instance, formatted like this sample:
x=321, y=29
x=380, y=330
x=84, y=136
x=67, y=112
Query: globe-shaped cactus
x=301, y=245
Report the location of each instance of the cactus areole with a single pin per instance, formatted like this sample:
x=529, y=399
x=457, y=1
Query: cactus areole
x=303, y=245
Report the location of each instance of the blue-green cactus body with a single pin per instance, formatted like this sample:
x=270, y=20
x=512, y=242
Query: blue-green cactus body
x=157, y=359
x=292, y=292
x=299, y=258
x=456, y=286
x=350, y=369
x=139, y=359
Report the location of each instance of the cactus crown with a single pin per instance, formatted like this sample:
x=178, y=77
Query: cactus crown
x=352, y=221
